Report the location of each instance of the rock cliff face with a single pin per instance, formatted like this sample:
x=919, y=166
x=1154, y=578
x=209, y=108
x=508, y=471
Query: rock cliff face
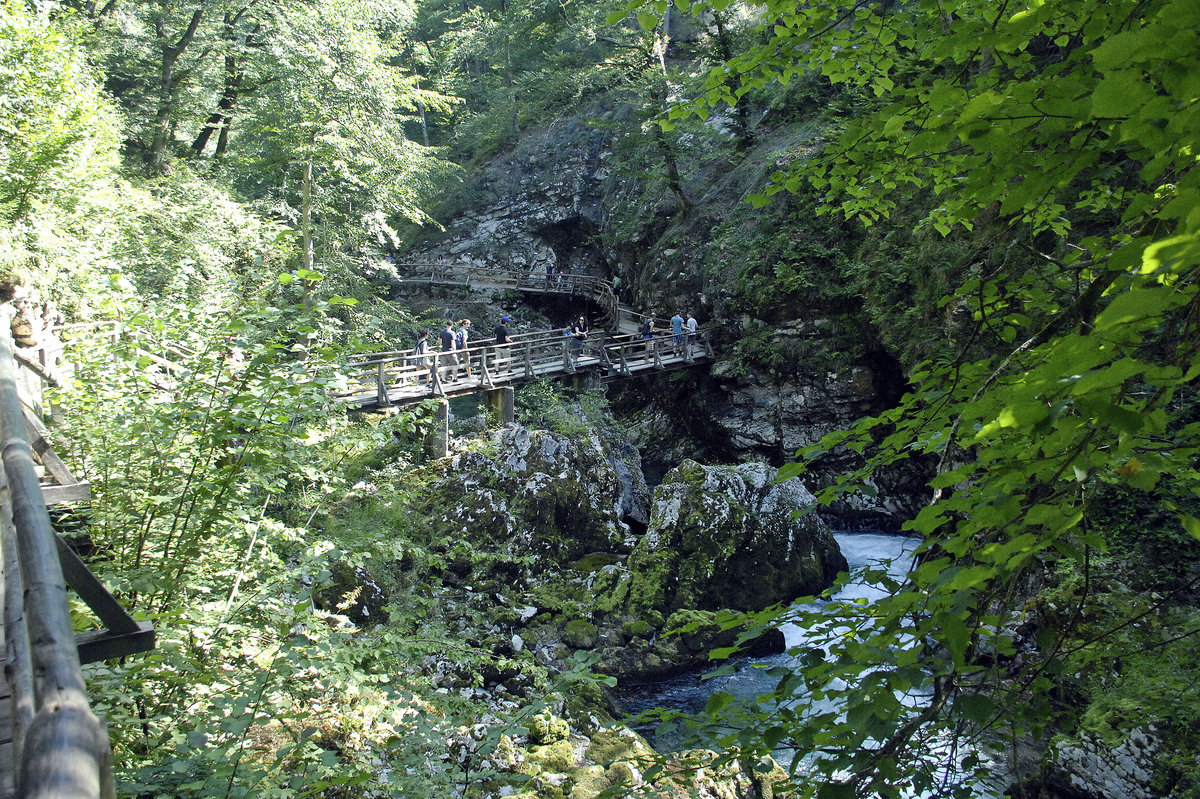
x=554, y=202
x=566, y=521
x=536, y=207
x=533, y=498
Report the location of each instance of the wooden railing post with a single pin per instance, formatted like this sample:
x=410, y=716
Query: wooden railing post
x=381, y=392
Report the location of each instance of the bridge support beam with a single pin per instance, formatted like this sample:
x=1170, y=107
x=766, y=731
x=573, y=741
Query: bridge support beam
x=437, y=443
x=501, y=402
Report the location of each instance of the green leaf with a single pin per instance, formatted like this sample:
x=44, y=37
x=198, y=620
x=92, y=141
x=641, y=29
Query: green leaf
x=1191, y=524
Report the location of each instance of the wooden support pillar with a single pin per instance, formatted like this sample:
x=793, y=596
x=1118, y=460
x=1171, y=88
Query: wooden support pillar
x=437, y=443
x=502, y=403
x=381, y=390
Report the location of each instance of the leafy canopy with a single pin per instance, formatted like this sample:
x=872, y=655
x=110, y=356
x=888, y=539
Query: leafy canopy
x=1069, y=132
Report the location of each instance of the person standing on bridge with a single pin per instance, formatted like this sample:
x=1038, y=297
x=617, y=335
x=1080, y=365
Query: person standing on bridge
x=579, y=331
x=677, y=333
x=461, y=337
x=503, y=342
x=420, y=350
x=447, y=339
x=617, y=287
x=691, y=333
x=648, y=335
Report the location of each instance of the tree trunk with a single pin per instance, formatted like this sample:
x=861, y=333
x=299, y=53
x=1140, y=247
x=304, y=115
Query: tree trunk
x=168, y=82
x=220, y=119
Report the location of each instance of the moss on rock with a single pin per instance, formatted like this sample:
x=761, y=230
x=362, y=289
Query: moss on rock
x=580, y=634
x=727, y=536
x=558, y=757
x=546, y=728
x=588, y=782
x=617, y=744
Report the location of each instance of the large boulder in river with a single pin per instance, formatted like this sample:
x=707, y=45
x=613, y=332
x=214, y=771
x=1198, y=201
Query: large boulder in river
x=538, y=500
x=727, y=537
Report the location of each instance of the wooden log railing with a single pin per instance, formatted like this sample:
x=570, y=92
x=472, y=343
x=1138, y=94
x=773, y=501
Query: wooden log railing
x=60, y=748
x=595, y=289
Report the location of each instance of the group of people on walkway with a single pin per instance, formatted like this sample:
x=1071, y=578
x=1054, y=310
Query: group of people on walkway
x=454, y=353
x=683, y=333
x=453, y=361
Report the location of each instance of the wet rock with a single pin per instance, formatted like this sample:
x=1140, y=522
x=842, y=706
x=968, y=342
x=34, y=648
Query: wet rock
x=1090, y=769
x=538, y=500
x=726, y=537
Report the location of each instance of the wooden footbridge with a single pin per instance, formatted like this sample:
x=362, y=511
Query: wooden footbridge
x=613, y=350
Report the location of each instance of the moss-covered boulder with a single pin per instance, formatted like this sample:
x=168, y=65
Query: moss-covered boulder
x=618, y=744
x=684, y=643
x=557, y=757
x=536, y=500
x=546, y=728
x=726, y=537
x=588, y=782
x=353, y=592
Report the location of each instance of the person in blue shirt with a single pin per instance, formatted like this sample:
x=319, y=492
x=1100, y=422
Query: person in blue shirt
x=447, y=358
x=677, y=333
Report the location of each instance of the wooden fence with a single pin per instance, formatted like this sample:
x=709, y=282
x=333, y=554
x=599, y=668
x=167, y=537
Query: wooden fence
x=59, y=748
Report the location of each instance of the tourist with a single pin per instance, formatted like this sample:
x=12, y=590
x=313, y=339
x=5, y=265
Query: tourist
x=461, y=339
x=420, y=350
x=677, y=333
x=447, y=338
x=568, y=337
x=648, y=335
x=579, y=332
x=502, y=345
x=691, y=333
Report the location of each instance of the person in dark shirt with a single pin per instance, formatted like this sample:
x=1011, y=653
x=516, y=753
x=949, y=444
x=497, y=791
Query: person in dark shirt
x=503, y=343
x=447, y=357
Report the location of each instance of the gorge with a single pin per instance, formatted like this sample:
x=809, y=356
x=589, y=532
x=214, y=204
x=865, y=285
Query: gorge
x=945, y=255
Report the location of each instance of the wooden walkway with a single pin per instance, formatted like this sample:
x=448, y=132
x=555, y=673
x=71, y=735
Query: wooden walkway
x=392, y=378
x=617, y=351
x=615, y=317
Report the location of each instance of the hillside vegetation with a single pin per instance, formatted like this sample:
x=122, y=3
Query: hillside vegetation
x=1001, y=200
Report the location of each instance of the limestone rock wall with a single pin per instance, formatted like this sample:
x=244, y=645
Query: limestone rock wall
x=534, y=494
x=533, y=208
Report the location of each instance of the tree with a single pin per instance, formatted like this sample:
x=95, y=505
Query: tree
x=57, y=133
x=1068, y=131
x=326, y=139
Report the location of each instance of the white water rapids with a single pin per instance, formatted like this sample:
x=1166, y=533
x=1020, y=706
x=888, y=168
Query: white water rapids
x=688, y=692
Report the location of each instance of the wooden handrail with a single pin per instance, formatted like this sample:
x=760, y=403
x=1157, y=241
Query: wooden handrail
x=597, y=289
x=63, y=746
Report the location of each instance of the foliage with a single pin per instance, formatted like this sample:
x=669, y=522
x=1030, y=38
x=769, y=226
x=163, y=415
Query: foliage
x=545, y=404
x=187, y=425
x=1072, y=128
x=57, y=132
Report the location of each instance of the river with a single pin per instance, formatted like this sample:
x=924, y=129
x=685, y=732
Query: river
x=689, y=692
